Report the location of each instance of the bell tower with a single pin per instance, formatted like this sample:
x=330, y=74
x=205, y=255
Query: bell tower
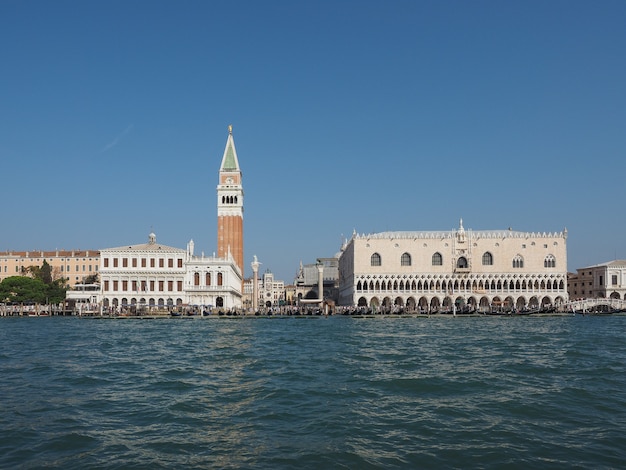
x=230, y=205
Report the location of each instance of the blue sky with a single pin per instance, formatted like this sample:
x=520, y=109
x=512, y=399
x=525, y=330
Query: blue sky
x=348, y=115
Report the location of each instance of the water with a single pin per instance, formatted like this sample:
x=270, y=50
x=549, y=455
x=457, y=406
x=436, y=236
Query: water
x=308, y=393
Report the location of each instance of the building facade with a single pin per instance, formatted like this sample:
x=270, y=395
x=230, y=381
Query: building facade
x=153, y=276
x=605, y=280
x=73, y=265
x=433, y=271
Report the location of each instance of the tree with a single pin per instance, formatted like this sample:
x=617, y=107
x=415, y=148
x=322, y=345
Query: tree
x=43, y=273
x=23, y=290
x=46, y=273
x=91, y=279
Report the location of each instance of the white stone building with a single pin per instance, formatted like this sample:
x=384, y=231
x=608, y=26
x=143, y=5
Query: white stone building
x=605, y=280
x=154, y=276
x=454, y=270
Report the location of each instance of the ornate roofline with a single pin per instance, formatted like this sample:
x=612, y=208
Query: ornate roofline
x=472, y=234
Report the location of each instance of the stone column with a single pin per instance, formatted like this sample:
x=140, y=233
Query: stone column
x=255, y=284
x=320, y=281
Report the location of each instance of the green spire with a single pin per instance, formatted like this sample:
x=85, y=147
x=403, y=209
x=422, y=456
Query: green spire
x=229, y=160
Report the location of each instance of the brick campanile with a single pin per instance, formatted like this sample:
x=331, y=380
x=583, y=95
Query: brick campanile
x=230, y=205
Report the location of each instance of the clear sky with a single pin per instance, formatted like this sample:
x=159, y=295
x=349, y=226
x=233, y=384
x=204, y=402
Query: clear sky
x=348, y=115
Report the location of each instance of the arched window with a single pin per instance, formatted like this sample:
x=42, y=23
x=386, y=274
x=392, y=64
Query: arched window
x=549, y=262
x=375, y=260
x=487, y=259
x=220, y=279
x=208, y=279
x=196, y=279
x=437, y=259
x=518, y=262
x=461, y=262
x=405, y=260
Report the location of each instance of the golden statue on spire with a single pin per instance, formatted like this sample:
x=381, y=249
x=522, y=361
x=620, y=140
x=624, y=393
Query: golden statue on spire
x=230, y=128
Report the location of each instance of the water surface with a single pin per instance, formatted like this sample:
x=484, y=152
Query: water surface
x=313, y=392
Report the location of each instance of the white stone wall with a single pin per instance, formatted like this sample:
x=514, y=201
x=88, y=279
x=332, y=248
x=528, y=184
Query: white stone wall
x=462, y=278
x=597, y=281
x=167, y=279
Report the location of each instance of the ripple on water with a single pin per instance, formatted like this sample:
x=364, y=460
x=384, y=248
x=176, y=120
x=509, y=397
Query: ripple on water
x=314, y=393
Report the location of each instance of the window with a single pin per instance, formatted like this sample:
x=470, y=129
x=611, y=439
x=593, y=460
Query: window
x=220, y=279
x=170, y=286
x=161, y=263
x=170, y=263
x=208, y=279
x=106, y=262
x=152, y=262
x=461, y=263
x=549, y=262
x=614, y=279
x=161, y=286
x=180, y=262
x=134, y=262
x=124, y=262
x=518, y=262
x=437, y=259
x=143, y=262
x=405, y=260
x=487, y=259
x=152, y=286
x=179, y=286
x=115, y=260
x=375, y=260
x=124, y=285
x=196, y=279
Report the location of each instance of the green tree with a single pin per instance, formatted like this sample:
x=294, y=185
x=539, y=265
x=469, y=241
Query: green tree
x=56, y=291
x=91, y=279
x=43, y=272
x=23, y=289
x=46, y=273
